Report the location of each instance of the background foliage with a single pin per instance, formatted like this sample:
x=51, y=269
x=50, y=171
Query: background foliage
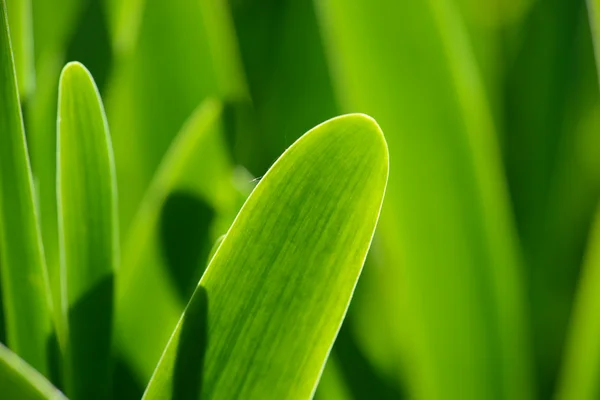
x=481, y=282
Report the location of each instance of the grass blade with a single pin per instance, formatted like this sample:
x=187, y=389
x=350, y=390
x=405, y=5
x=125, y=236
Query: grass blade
x=54, y=25
x=87, y=233
x=594, y=15
x=21, y=31
x=19, y=380
x=24, y=278
x=292, y=257
x=550, y=109
x=581, y=365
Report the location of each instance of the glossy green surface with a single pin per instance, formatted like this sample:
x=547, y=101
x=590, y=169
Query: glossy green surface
x=88, y=232
x=292, y=257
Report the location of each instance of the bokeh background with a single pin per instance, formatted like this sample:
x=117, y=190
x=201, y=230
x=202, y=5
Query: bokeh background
x=492, y=116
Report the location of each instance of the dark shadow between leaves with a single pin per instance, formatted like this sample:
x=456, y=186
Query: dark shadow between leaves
x=126, y=386
x=185, y=239
x=193, y=340
x=90, y=43
x=363, y=380
x=90, y=321
x=55, y=371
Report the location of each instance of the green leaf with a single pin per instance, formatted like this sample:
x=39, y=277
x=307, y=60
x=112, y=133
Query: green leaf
x=551, y=110
x=160, y=82
x=450, y=262
x=581, y=365
x=54, y=25
x=88, y=232
x=287, y=75
x=196, y=167
x=264, y=317
x=124, y=19
x=21, y=31
x=25, y=288
x=594, y=15
x=18, y=380
x=581, y=360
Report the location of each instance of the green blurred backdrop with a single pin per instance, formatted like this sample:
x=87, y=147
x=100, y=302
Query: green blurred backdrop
x=492, y=115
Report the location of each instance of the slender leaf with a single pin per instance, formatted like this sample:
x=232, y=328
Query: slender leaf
x=551, y=111
x=18, y=380
x=179, y=59
x=593, y=7
x=332, y=385
x=21, y=31
x=452, y=268
x=197, y=171
x=88, y=232
x=25, y=289
x=265, y=315
x=579, y=378
x=581, y=365
x=53, y=28
x=124, y=19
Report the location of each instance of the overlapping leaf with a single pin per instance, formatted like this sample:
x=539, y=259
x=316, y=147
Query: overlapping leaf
x=88, y=233
x=25, y=288
x=18, y=380
x=292, y=258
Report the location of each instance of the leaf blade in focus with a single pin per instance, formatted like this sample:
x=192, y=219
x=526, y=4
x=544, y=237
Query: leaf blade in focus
x=292, y=257
x=25, y=285
x=88, y=233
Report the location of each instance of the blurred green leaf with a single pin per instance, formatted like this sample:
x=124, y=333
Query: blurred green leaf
x=18, y=380
x=184, y=53
x=25, y=288
x=593, y=7
x=292, y=258
x=149, y=305
x=451, y=268
x=124, y=19
x=581, y=360
x=332, y=385
x=21, y=32
x=287, y=75
x=54, y=24
x=551, y=136
x=87, y=209
x=581, y=365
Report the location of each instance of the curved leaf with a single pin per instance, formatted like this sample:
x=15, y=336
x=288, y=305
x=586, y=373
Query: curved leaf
x=581, y=365
x=265, y=315
x=21, y=31
x=88, y=237
x=579, y=378
x=18, y=380
x=25, y=288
